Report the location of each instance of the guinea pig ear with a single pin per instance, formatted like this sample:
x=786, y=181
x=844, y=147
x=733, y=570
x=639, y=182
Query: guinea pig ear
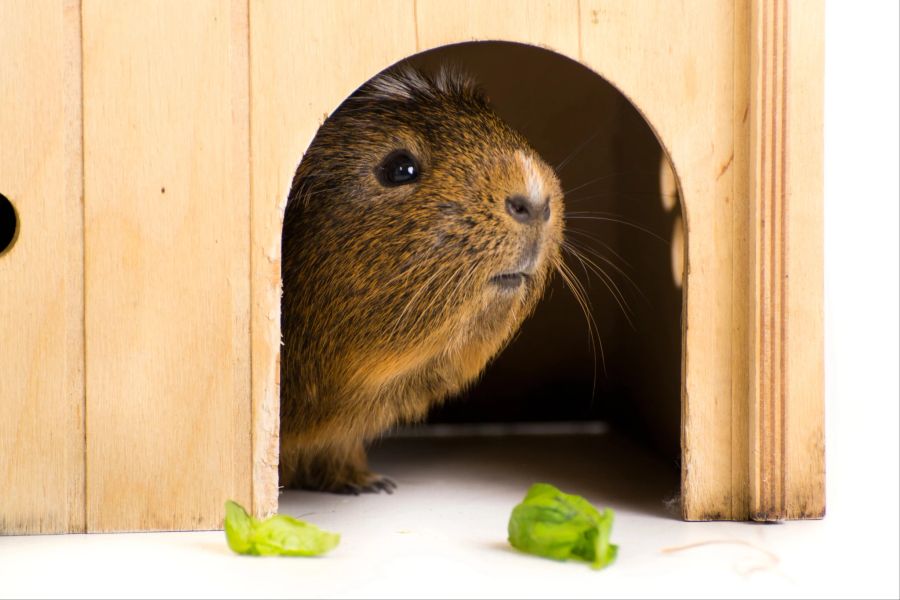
x=396, y=84
x=405, y=83
x=453, y=80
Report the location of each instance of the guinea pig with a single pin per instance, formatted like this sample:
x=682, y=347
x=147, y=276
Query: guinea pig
x=420, y=231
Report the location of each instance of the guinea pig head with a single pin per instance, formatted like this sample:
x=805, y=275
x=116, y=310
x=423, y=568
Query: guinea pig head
x=427, y=220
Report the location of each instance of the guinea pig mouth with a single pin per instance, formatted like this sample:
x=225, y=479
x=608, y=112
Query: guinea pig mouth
x=509, y=281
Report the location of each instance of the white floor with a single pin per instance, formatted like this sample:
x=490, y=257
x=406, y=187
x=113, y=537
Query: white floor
x=443, y=534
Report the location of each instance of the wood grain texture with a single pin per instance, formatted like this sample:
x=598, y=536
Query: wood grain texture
x=304, y=63
x=167, y=262
x=41, y=295
x=786, y=419
x=676, y=62
x=139, y=381
x=804, y=468
x=767, y=144
x=549, y=24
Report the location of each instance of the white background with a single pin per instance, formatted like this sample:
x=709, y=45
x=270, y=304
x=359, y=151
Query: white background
x=861, y=269
x=853, y=552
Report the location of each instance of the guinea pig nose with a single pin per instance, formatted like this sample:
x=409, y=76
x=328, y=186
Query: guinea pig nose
x=524, y=210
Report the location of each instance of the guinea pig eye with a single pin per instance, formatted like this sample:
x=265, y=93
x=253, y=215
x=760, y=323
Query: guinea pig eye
x=397, y=168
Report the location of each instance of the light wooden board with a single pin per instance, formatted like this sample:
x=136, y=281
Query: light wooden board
x=41, y=314
x=786, y=425
x=304, y=62
x=167, y=262
x=683, y=84
x=552, y=24
x=693, y=85
x=804, y=230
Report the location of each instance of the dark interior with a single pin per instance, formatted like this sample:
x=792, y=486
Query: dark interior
x=609, y=161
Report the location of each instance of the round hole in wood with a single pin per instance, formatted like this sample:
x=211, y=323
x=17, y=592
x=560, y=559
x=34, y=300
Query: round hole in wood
x=9, y=224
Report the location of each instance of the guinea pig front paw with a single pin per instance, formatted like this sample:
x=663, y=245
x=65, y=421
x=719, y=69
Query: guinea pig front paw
x=366, y=483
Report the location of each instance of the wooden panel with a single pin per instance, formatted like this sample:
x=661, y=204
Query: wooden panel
x=767, y=268
x=167, y=262
x=786, y=443
x=552, y=24
x=694, y=90
x=683, y=82
x=41, y=297
x=804, y=230
x=303, y=65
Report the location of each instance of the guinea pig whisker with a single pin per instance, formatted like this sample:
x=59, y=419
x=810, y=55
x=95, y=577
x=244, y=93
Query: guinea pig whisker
x=595, y=268
x=601, y=213
x=438, y=295
x=588, y=182
x=597, y=240
x=462, y=278
x=562, y=164
x=620, y=222
x=607, y=281
x=611, y=263
x=421, y=289
x=618, y=173
x=618, y=195
x=593, y=332
x=580, y=295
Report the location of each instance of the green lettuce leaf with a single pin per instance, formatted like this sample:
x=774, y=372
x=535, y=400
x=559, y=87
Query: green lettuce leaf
x=238, y=527
x=561, y=526
x=279, y=535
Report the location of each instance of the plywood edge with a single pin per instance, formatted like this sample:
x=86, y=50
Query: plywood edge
x=786, y=408
x=714, y=393
x=73, y=102
x=265, y=305
x=265, y=350
x=741, y=280
x=804, y=345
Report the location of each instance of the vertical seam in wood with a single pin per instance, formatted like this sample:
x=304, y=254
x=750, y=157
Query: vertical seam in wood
x=578, y=16
x=734, y=204
x=84, y=421
x=784, y=248
x=761, y=251
x=250, y=288
x=415, y=4
x=735, y=485
x=772, y=403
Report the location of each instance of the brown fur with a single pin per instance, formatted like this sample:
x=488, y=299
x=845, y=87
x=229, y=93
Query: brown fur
x=388, y=305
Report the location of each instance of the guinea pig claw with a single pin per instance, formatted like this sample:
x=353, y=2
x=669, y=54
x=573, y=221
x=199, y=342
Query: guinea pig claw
x=374, y=485
x=385, y=484
x=350, y=489
x=379, y=483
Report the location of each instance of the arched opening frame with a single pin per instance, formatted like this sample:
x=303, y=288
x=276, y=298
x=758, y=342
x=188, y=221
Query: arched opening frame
x=690, y=85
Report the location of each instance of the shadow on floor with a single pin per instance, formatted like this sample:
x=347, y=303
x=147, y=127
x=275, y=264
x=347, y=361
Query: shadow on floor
x=608, y=468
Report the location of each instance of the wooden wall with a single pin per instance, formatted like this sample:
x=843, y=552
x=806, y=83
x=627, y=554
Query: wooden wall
x=42, y=463
x=167, y=270
x=148, y=146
